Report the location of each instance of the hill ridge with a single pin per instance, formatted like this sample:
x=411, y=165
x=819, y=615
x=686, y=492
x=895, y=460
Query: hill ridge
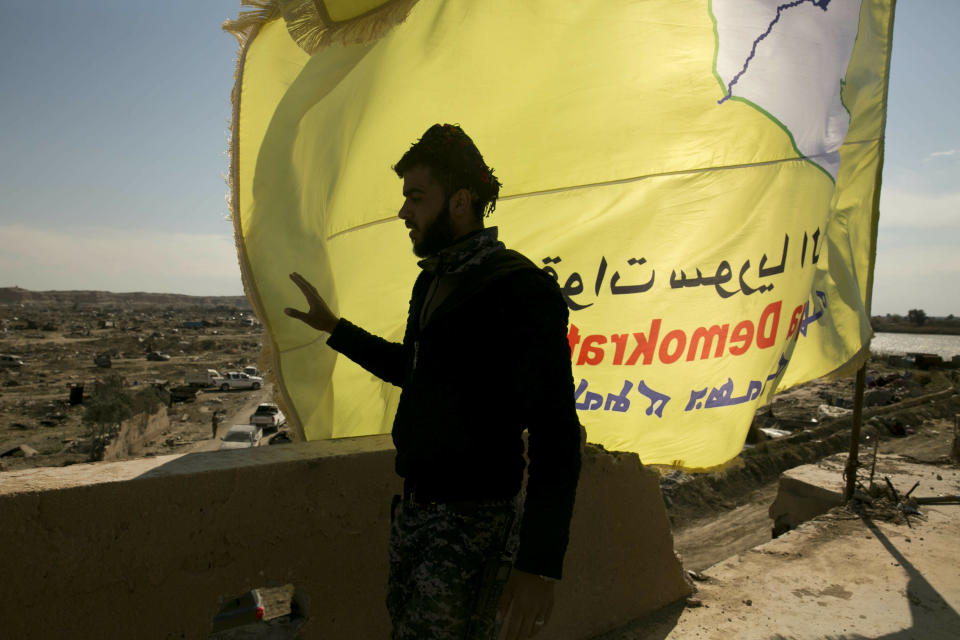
x=18, y=295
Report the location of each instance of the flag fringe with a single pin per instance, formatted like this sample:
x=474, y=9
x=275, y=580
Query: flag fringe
x=245, y=29
x=311, y=27
x=246, y=24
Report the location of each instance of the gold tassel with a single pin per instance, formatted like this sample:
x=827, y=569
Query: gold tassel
x=311, y=26
x=247, y=22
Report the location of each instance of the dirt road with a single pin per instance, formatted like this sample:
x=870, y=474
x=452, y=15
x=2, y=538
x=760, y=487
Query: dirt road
x=238, y=414
x=708, y=540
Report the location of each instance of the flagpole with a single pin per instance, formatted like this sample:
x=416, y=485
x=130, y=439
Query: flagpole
x=850, y=471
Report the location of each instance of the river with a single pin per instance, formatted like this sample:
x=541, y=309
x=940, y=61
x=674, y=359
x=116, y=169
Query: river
x=902, y=343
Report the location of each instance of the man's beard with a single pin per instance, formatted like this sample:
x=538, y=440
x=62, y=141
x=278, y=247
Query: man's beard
x=435, y=236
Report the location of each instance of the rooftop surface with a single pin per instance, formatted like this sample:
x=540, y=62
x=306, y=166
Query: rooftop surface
x=841, y=575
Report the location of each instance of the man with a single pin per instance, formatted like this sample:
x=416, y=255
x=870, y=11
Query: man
x=215, y=421
x=484, y=357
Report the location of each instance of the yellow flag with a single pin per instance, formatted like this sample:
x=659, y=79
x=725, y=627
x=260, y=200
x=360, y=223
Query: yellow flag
x=701, y=178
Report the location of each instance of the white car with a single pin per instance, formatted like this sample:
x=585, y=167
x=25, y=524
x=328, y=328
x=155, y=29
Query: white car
x=10, y=361
x=236, y=380
x=205, y=378
x=268, y=416
x=242, y=436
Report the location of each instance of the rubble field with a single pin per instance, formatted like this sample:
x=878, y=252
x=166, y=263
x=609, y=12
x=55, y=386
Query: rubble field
x=907, y=411
x=59, y=337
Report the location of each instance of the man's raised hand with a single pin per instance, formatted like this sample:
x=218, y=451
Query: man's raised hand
x=318, y=315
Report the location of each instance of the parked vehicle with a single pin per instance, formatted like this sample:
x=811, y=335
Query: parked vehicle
x=281, y=437
x=10, y=361
x=242, y=436
x=204, y=378
x=252, y=371
x=268, y=416
x=236, y=380
x=236, y=612
x=185, y=393
x=156, y=356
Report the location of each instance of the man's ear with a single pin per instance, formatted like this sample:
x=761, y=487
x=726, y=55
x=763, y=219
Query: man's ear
x=461, y=205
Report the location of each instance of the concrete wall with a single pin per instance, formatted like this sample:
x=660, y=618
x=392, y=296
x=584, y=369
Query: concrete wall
x=146, y=548
x=799, y=500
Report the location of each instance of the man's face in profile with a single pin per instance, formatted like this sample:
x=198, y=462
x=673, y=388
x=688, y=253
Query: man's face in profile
x=426, y=212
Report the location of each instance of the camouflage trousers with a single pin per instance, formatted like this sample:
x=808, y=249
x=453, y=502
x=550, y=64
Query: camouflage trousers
x=448, y=568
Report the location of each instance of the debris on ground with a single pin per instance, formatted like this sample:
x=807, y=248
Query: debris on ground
x=70, y=340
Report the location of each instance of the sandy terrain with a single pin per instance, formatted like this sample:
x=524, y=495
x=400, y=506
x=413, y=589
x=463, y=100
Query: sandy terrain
x=720, y=514
x=58, y=345
x=853, y=573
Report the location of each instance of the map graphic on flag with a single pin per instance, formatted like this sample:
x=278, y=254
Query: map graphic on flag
x=766, y=55
x=700, y=177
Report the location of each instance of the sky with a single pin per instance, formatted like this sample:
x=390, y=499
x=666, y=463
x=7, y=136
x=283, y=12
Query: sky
x=114, y=119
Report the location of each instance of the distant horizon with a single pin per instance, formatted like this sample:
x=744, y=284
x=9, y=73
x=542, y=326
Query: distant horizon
x=241, y=295
x=125, y=293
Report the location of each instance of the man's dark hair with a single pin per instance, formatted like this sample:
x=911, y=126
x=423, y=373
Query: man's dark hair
x=456, y=164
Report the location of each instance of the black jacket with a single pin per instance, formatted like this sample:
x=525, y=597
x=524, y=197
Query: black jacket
x=492, y=360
